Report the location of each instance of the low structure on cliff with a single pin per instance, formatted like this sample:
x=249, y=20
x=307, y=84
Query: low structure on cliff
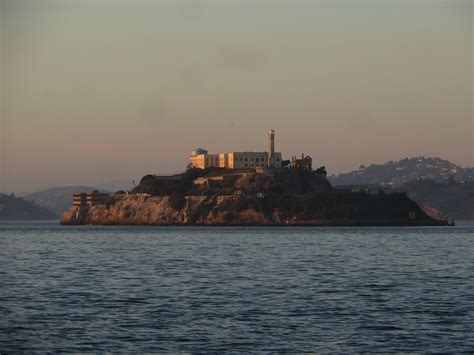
x=93, y=198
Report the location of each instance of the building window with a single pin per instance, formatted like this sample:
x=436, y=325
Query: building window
x=246, y=159
x=278, y=159
x=246, y=165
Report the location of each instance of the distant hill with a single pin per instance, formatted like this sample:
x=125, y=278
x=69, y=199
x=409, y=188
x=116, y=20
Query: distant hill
x=58, y=199
x=15, y=208
x=396, y=174
x=448, y=199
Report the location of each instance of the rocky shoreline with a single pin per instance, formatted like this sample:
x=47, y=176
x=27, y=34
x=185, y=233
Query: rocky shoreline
x=347, y=210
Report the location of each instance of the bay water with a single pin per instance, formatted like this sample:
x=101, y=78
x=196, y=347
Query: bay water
x=146, y=289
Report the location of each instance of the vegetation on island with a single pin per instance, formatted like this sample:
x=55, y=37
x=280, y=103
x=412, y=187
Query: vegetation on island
x=218, y=181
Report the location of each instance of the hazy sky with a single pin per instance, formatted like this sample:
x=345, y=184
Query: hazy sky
x=96, y=90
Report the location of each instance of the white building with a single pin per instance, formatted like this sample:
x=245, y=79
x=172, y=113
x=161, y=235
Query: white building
x=201, y=159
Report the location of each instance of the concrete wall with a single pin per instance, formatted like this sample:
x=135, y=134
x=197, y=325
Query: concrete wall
x=233, y=160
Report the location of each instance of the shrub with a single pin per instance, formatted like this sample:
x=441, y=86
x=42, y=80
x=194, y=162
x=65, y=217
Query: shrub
x=177, y=200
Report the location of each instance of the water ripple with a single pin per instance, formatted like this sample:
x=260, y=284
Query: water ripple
x=91, y=288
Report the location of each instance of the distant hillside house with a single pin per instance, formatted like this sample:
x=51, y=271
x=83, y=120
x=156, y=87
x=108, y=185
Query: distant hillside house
x=372, y=189
x=201, y=159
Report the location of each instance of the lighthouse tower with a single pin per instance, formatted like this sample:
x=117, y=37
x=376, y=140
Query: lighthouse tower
x=271, y=148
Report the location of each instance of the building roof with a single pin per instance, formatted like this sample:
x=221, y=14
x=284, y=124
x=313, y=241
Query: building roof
x=199, y=151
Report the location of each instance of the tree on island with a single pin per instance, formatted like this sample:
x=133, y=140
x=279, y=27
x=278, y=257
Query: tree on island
x=321, y=171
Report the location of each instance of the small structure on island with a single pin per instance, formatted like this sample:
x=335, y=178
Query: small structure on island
x=93, y=198
x=120, y=194
x=306, y=162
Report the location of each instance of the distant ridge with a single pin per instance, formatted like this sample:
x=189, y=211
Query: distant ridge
x=396, y=174
x=16, y=208
x=441, y=188
x=58, y=199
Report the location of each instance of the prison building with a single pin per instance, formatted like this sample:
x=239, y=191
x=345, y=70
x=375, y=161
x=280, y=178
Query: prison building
x=200, y=158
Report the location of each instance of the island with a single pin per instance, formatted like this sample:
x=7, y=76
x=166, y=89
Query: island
x=247, y=189
x=220, y=197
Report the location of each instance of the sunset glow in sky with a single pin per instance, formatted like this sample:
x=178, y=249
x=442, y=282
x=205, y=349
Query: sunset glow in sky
x=97, y=90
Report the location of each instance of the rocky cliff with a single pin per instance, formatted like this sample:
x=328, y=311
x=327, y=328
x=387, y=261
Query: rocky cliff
x=319, y=209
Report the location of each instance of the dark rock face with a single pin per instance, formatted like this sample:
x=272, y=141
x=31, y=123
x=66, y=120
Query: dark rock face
x=318, y=209
x=446, y=200
x=294, y=182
